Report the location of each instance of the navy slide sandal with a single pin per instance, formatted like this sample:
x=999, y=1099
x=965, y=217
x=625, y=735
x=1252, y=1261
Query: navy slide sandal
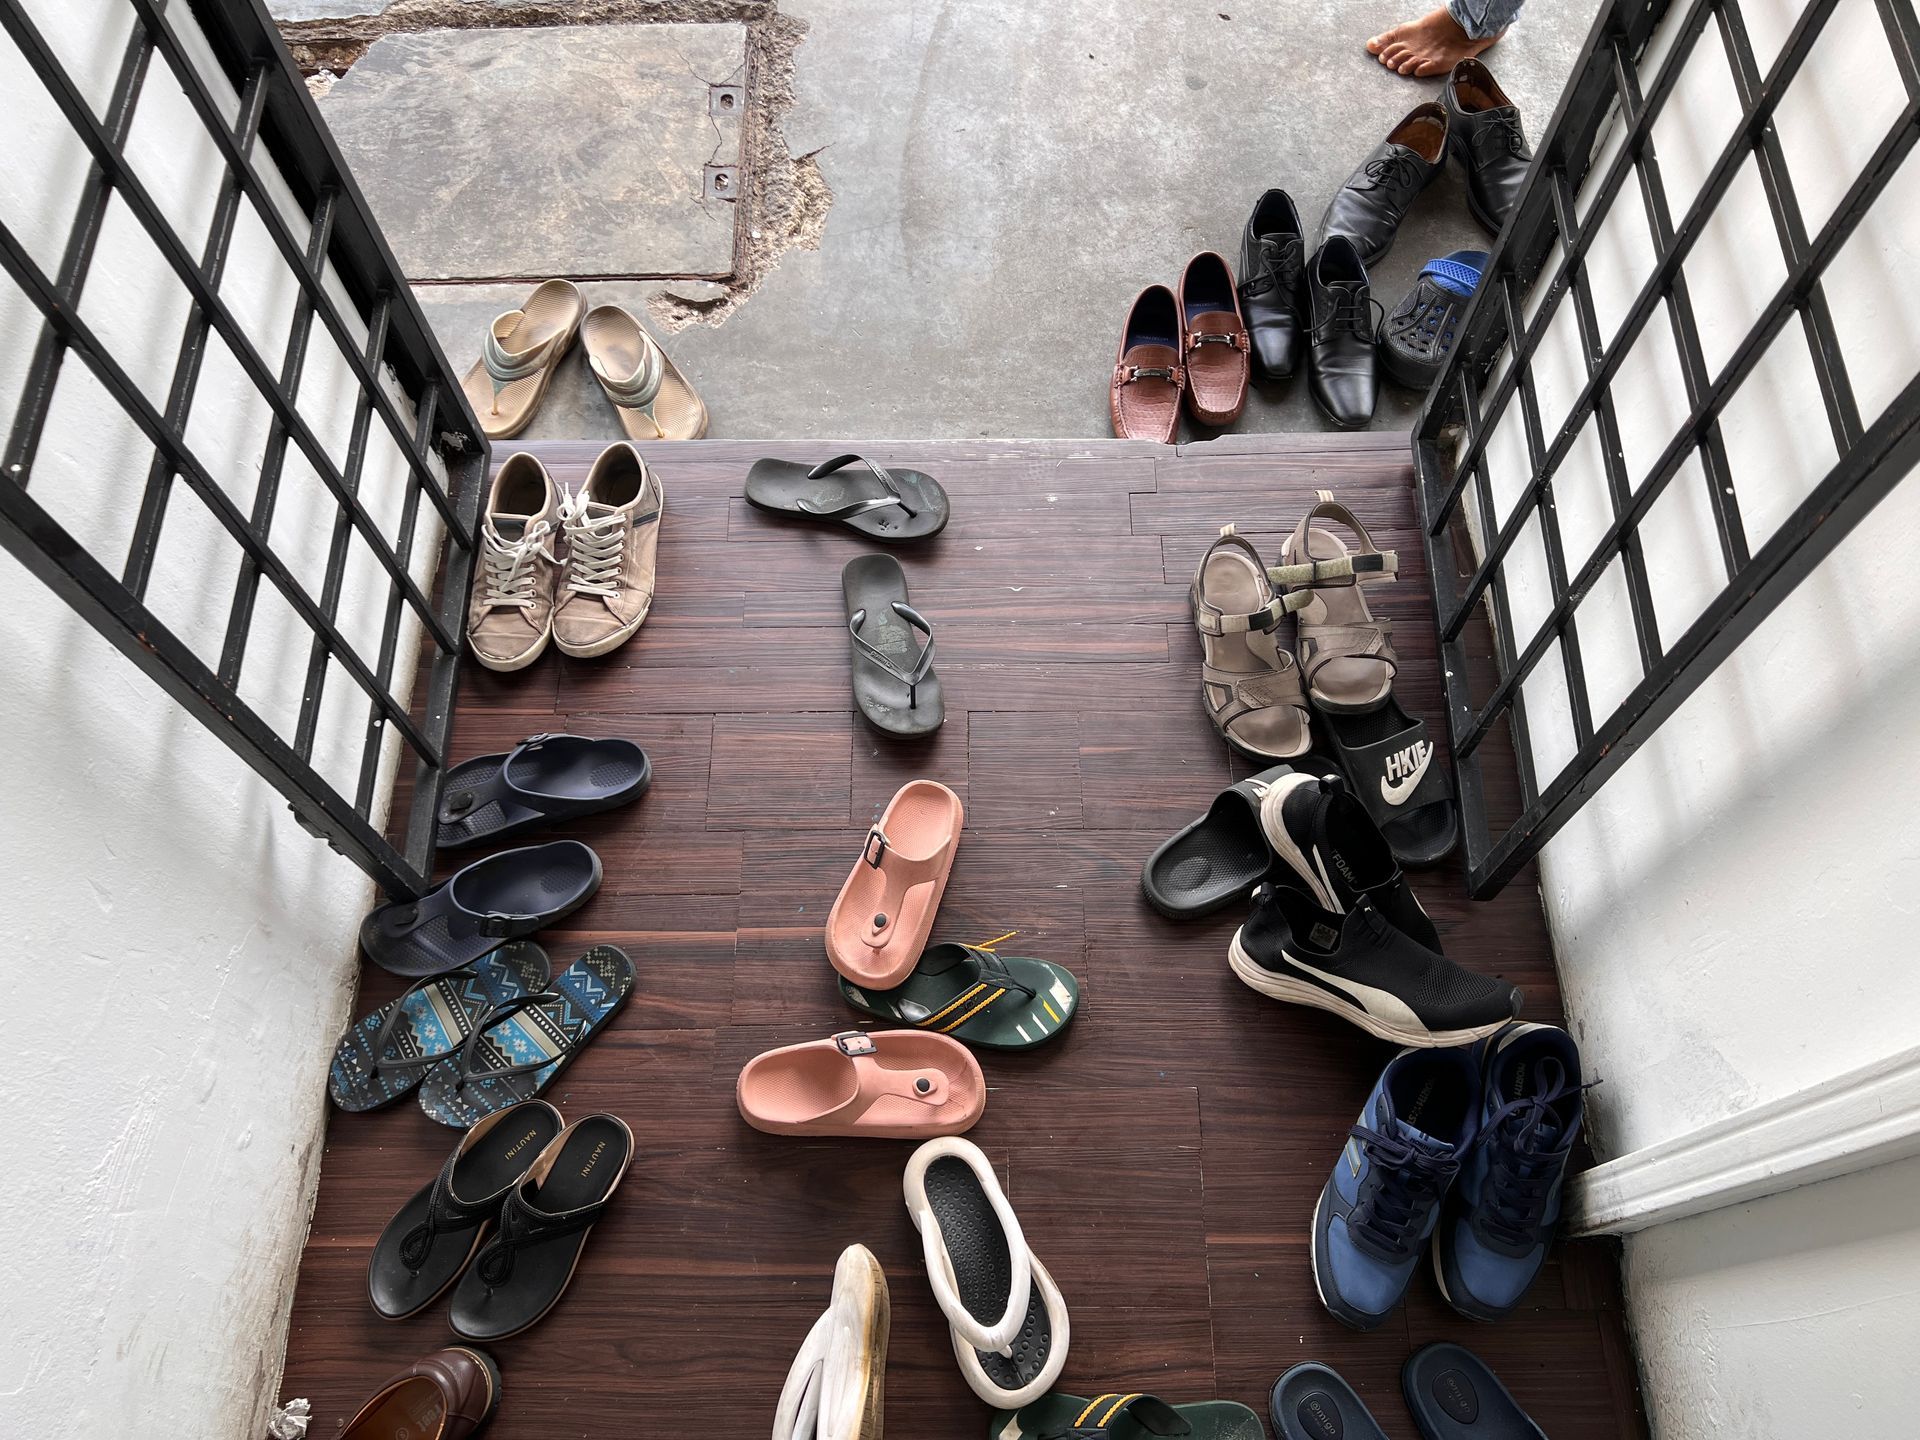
x=502, y=897
x=878, y=503
x=1454, y=1396
x=1311, y=1402
x=541, y=781
x=1221, y=857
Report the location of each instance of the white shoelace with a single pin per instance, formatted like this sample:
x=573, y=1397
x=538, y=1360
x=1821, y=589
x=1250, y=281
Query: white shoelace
x=596, y=543
x=507, y=571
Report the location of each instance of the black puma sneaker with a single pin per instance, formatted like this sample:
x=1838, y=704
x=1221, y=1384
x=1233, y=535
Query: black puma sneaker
x=1325, y=836
x=1367, y=971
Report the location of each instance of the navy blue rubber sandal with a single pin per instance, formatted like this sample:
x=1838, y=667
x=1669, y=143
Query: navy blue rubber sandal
x=523, y=1044
x=543, y=780
x=1454, y=1396
x=502, y=897
x=1312, y=1401
x=385, y=1054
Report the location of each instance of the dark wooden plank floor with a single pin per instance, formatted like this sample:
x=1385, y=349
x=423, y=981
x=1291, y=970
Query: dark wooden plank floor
x=1164, y=1154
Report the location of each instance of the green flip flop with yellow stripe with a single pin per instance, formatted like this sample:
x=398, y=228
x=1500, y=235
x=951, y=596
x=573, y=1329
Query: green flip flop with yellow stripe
x=1124, y=1417
x=975, y=994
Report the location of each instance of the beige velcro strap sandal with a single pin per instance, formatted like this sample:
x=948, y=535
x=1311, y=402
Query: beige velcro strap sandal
x=1249, y=684
x=1346, y=653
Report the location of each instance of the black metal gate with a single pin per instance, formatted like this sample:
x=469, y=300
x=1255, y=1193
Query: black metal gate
x=1610, y=100
x=275, y=117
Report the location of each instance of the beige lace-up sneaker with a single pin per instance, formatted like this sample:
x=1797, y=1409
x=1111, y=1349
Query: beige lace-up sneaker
x=510, y=610
x=613, y=537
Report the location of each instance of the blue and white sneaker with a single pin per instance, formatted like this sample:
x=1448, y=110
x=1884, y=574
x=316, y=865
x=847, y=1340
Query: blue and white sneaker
x=1384, y=1197
x=1501, y=1216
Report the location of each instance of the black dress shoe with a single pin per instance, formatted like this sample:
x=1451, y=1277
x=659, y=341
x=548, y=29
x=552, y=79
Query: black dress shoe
x=1484, y=131
x=1273, y=257
x=1341, y=309
x=1368, y=208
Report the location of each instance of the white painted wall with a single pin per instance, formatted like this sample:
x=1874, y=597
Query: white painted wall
x=182, y=953
x=1734, y=912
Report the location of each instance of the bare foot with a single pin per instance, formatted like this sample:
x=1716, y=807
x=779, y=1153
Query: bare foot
x=1431, y=45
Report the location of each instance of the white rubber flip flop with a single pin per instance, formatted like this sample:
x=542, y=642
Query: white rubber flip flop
x=835, y=1389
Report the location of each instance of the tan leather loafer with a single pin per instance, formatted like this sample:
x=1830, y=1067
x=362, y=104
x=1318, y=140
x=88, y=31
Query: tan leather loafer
x=447, y=1395
x=1213, y=341
x=1148, y=379
x=510, y=608
x=613, y=540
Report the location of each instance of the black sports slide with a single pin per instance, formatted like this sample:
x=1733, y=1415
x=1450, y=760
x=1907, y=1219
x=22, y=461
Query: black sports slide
x=1454, y=1396
x=1218, y=859
x=1399, y=778
x=502, y=897
x=1312, y=1402
x=878, y=503
x=541, y=781
x=544, y=1223
x=429, y=1242
x=893, y=680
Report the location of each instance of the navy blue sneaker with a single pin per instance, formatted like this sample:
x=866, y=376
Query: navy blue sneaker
x=1385, y=1194
x=1501, y=1216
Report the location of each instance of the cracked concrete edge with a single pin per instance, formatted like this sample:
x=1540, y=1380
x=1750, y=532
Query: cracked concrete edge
x=784, y=197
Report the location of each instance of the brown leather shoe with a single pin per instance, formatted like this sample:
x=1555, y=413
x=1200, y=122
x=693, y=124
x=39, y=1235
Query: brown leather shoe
x=447, y=1395
x=1148, y=378
x=1213, y=341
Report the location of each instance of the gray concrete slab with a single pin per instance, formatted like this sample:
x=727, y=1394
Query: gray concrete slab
x=576, y=150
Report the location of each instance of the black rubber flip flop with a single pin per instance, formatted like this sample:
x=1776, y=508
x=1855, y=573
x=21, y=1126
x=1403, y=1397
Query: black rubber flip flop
x=388, y=1052
x=1218, y=859
x=1127, y=1417
x=1454, y=1396
x=429, y=1242
x=879, y=503
x=522, y=1045
x=502, y=897
x=1397, y=774
x=1311, y=1401
x=544, y=1222
x=893, y=680
x=541, y=781
x=997, y=1002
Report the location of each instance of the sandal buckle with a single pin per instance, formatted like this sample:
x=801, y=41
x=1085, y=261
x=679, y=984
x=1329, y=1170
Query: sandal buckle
x=495, y=925
x=534, y=742
x=876, y=847
x=458, y=805
x=854, y=1043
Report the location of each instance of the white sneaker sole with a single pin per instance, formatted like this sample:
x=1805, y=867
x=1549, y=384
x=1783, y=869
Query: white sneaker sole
x=520, y=662
x=1281, y=843
x=1299, y=992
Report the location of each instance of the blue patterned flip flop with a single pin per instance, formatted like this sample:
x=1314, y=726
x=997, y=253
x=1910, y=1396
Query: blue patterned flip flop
x=385, y=1054
x=523, y=1043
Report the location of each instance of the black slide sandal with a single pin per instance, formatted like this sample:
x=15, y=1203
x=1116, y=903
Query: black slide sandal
x=428, y=1243
x=1218, y=859
x=878, y=503
x=1452, y=1395
x=893, y=680
x=524, y=1270
x=541, y=781
x=1396, y=773
x=502, y=897
x=1311, y=1402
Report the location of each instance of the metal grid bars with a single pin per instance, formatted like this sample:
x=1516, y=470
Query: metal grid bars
x=272, y=143
x=1600, y=138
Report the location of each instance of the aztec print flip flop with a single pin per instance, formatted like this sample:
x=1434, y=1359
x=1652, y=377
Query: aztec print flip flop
x=1125, y=1417
x=541, y=781
x=388, y=1052
x=525, y=1042
x=998, y=1002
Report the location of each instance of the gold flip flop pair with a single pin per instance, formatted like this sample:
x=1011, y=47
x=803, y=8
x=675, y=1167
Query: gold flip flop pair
x=523, y=348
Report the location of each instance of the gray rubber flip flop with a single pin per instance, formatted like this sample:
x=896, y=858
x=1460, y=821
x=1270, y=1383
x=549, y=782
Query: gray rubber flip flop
x=881, y=504
x=893, y=680
x=502, y=897
x=541, y=781
x=1311, y=1401
x=1454, y=1396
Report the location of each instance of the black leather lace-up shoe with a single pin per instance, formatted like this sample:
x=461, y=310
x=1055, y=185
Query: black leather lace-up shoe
x=1342, y=314
x=1369, y=207
x=1273, y=259
x=1484, y=132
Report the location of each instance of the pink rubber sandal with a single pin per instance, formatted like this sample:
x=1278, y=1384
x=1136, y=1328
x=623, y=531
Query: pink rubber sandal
x=886, y=1084
x=880, y=923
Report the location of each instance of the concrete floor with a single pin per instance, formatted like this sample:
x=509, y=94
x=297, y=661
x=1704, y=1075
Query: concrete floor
x=1004, y=177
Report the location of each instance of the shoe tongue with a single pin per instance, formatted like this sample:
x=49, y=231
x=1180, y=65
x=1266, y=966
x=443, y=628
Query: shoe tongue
x=1420, y=1139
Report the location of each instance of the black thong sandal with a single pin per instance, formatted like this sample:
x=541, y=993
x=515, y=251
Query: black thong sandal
x=541, y=781
x=1452, y=1395
x=544, y=1223
x=879, y=503
x=523, y=1044
x=893, y=680
x=502, y=897
x=1218, y=859
x=975, y=994
x=386, y=1053
x=1129, y=1417
x=429, y=1242
x=1312, y=1401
